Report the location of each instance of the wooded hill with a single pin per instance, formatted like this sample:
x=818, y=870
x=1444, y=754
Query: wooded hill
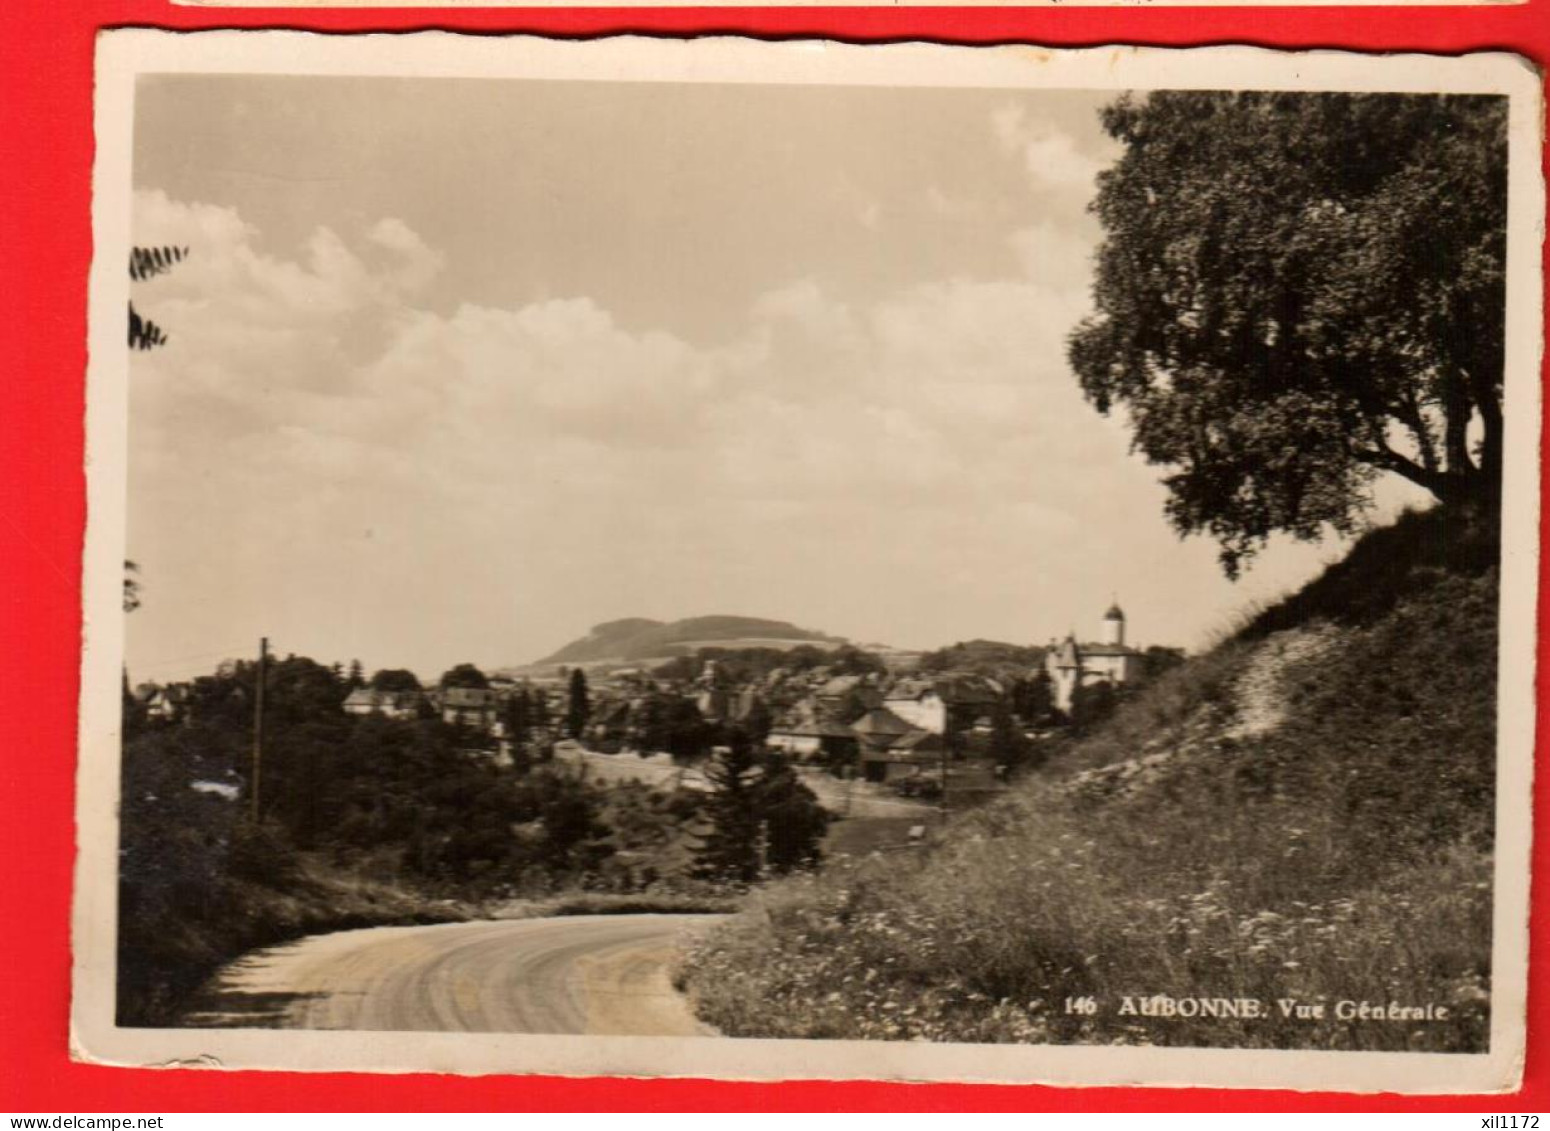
x=637, y=638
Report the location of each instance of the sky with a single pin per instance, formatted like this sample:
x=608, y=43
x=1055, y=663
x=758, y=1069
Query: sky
x=459, y=368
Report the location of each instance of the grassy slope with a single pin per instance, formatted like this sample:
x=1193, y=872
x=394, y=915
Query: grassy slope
x=1343, y=854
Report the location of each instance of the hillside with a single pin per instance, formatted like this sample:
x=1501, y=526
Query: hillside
x=637, y=638
x=1303, y=814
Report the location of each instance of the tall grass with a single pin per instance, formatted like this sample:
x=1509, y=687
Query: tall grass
x=992, y=949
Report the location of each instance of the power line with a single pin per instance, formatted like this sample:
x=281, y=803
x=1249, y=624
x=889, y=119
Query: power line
x=229, y=652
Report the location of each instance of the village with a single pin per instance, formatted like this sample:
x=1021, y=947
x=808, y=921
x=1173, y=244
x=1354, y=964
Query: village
x=865, y=728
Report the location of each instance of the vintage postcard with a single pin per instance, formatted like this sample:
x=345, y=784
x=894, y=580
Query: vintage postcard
x=765, y=561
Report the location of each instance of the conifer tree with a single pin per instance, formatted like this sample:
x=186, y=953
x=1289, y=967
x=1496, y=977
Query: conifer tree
x=519, y=717
x=731, y=849
x=792, y=819
x=579, y=708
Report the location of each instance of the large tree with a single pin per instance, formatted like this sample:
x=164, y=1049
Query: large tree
x=1298, y=293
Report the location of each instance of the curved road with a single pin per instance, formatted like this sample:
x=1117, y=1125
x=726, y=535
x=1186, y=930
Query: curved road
x=594, y=974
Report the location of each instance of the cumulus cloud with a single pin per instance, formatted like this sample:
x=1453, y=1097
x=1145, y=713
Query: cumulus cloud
x=1056, y=256
x=1050, y=156
x=319, y=417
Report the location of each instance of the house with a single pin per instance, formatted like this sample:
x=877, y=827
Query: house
x=474, y=707
x=1108, y=660
x=165, y=704
x=892, y=748
x=392, y=704
x=942, y=704
x=610, y=724
x=835, y=695
x=744, y=703
x=805, y=741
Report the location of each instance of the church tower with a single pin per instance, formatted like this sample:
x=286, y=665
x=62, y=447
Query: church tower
x=1114, y=626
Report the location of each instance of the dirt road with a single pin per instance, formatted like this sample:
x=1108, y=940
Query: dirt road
x=596, y=974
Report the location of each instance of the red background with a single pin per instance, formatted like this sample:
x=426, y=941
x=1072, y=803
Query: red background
x=46, y=147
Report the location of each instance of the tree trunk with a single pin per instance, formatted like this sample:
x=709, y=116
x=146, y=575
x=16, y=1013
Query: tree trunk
x=1457, y=409
x=1473, y=498
x=1491, y=443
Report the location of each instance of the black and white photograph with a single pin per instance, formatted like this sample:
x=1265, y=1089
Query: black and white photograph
x=752, y=560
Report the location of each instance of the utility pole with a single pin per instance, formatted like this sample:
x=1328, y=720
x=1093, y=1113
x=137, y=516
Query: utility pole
x=258, y=723
x=947, y=755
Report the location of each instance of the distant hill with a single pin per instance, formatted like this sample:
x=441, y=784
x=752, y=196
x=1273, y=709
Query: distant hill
x=638, y=638
x=988, y=657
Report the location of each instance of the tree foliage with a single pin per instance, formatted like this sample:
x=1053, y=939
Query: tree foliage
x=131, y=586
x=762, y=817
x=855, y=703
x=518, y=717
x=748, y=665
x=395, y=679
x=400, y=797
x=578, y=704
x=1033, y=697
x=144, y=263
x=758, y=721
x=1007, y=745
x=365, y=819
x=1297, y=293
x=672, y=723
x=1091, y=703
x=1158, y=659
x=983, y=657
x=465, y=676
x=731, y=849
x=794, y=821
